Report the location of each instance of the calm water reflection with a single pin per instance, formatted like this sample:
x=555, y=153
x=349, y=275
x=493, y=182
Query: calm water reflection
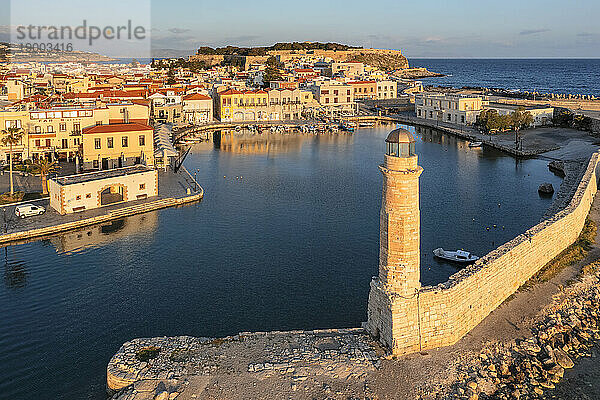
x=286, y=238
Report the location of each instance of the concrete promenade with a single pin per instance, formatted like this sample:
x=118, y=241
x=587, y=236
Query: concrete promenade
x=555, y=143
x=174, y=190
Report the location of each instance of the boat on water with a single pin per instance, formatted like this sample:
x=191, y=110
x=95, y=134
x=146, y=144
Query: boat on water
x=366, y=124
x=475, y=144
x=459, y=256
x=347, y=127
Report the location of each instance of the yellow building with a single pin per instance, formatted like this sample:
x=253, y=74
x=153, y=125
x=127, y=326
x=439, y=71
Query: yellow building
x=248, y=105
x=117, y=145
x=14, y=119
x=57, y=131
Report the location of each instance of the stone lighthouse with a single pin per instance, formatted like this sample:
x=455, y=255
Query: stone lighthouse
x=393, y=315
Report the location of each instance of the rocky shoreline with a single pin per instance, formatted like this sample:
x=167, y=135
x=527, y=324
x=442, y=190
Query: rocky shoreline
x=531, y=368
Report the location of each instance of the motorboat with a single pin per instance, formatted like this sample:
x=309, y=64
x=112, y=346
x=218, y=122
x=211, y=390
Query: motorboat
x=459, y=256
x=475, y=144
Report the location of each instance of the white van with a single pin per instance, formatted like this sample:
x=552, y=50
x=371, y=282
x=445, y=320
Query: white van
x=27, y=210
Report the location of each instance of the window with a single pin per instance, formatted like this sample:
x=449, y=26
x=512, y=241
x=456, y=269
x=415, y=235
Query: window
x=98, y=123
x=419, y=112
x=78, y=197
x=109, y=143
x=65, y=143
x=142, y=186
x=76, y=127
x=62, y=127
x=124, y=142
x=50, y=129
x=97, y=144
x=462, y=119
x=37, y=142
x=449, y=117
x=38, y=129
x=95, y=164
x=88, y=196
x=48, y=143
x=142, y=140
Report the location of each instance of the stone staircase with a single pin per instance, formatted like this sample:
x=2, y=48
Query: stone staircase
x=145, y=207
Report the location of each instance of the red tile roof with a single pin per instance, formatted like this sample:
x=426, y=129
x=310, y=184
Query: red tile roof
x=114, y=128
x=196, y=96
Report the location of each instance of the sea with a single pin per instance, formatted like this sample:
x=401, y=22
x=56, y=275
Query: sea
x=551, y=75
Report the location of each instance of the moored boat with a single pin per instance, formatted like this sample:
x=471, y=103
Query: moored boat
x=459, y=256
x=475, y=144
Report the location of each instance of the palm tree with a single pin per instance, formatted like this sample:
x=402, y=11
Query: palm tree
x=46, y=167
x=10, y=137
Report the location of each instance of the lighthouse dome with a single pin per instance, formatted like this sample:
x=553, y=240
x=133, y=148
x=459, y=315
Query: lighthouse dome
x=400, y=143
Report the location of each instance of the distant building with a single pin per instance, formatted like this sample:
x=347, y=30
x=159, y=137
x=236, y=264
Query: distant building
x=387, y=90
x=542, y=115
x=69, y=194
x=364, y=89
x=347, y=69
x=452, y=108
x=117, y=145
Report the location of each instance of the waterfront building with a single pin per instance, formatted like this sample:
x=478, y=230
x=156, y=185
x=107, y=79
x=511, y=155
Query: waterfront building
x=69, y=194
x=334, y=96
x=459, y=109
x=197, y=109
x=117, y=145
x=243, y=105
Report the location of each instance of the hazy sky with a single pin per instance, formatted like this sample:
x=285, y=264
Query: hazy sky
x=433, y=28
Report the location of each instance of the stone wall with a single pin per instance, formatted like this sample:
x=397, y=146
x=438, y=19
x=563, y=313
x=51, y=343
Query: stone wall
x=448, y=311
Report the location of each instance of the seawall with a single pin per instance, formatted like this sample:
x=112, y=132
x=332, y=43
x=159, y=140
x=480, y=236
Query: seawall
x=448, y=311
x=111, y=215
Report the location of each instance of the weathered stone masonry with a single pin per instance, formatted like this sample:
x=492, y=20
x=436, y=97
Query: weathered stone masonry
x=407, y=317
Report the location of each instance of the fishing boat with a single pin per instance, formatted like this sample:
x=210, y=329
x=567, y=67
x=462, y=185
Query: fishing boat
x=475, y=144
x=459, y=256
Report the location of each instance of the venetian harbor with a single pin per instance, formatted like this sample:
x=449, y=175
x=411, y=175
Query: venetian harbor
x=284, y=230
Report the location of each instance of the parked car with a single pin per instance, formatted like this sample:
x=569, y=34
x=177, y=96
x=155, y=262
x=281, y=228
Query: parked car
x=27, y=210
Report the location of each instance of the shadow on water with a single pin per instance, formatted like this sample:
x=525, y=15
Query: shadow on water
x=15, y=272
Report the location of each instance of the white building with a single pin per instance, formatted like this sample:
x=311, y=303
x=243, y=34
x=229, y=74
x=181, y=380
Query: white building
x=69, y=194
x=387, y=90
x=459, y=109
x=197, y=109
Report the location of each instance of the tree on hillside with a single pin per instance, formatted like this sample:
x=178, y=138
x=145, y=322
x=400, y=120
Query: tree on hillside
x=11, y=137
x=171, y=77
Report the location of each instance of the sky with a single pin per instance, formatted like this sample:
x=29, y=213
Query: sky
x=431, y=29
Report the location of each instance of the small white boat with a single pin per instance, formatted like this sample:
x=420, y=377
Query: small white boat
x=459, y=256
x=475, y=144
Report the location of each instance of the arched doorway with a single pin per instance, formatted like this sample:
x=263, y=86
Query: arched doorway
x=112, y=194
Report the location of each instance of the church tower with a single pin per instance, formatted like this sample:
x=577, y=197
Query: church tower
x=393, y=300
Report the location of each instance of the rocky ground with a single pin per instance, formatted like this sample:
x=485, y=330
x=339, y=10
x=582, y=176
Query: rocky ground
x=301, y=364
x=530, y=368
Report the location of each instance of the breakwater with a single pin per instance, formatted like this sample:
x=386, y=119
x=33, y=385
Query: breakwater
x=441, y=315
